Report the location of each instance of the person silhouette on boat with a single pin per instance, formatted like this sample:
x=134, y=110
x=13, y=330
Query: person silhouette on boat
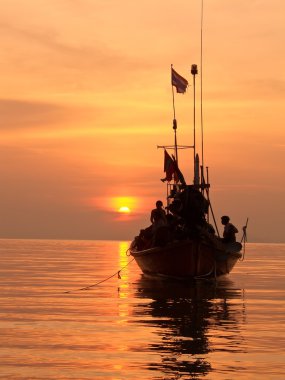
x=158, y=216
x=229, y=235
x=159, y=227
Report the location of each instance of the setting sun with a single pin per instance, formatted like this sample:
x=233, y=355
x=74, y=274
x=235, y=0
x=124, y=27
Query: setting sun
x=124, y=210
x=123, y=205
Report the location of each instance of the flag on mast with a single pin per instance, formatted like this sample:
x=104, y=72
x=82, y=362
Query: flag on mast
x=178, y=82
x=169, y=167
x=172, y=170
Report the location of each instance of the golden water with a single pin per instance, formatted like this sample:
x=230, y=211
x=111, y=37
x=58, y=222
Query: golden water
x=135, y=327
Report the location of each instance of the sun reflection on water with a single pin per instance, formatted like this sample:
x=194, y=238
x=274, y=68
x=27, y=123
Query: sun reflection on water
x=124, y=282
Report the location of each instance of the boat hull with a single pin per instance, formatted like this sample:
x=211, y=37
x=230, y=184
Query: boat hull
x=188, y=259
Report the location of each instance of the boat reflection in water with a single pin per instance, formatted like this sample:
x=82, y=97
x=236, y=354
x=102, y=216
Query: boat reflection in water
x=191, y=322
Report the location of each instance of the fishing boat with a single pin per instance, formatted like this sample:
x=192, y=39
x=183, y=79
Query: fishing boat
x=187, y=259
x=185, y=245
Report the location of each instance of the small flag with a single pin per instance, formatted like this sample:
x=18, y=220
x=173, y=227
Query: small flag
x=178, y=81
x=169, y=167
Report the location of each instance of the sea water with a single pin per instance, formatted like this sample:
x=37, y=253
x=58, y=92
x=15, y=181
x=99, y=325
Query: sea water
x=135, y=327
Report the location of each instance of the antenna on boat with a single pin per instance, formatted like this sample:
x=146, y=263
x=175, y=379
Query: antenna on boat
x=201, y=82
x=194, y=72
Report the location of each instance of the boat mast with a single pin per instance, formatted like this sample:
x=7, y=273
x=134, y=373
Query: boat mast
x=181, y=84
x=174, y=124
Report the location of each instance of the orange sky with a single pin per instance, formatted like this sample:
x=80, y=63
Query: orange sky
x=86, y=98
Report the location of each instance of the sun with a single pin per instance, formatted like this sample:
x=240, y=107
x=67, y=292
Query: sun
x=124, y=210
x=123, y=205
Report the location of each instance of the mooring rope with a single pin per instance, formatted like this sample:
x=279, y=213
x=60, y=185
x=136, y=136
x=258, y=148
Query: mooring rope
x=244, y=240
x=207, y=275
x=101, y=281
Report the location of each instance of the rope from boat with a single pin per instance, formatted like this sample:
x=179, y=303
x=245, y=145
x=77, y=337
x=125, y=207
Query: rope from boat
x=244, y=240
x=210, y=204
x=204, y=276
x=128, y=251
x=101, y=281
x=207, y=275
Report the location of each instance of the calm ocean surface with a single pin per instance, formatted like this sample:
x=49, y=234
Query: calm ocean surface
x=134, y=327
